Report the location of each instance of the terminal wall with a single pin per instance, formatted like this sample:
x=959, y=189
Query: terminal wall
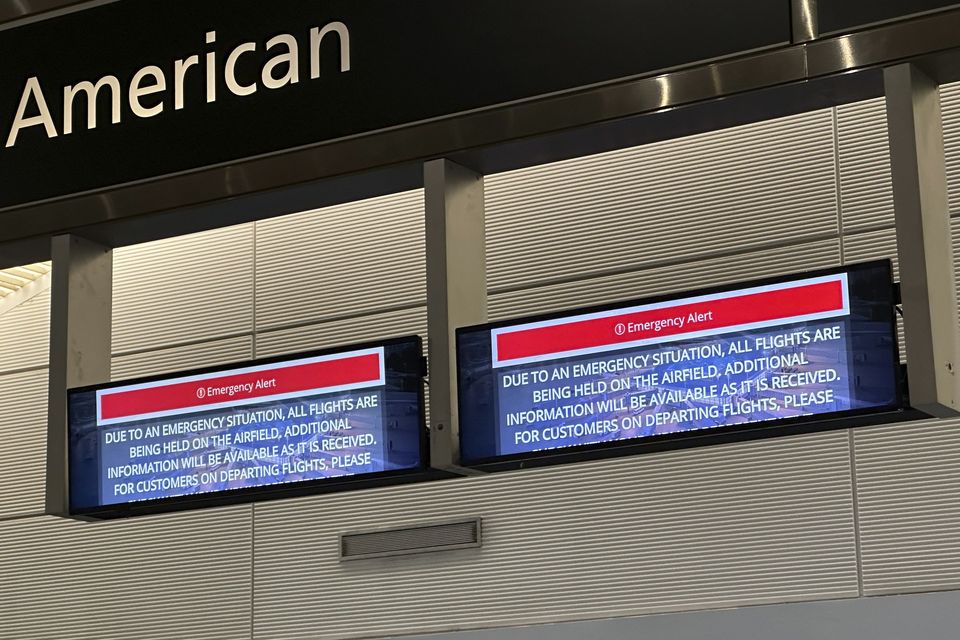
x=814, y=517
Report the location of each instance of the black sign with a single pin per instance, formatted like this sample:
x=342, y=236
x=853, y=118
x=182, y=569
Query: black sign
x=134, y=90
x=843, y=15
x=297, y=425
x=694, y=368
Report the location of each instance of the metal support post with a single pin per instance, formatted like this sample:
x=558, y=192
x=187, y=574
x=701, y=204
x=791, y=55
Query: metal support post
x=456, y=289
x=803, y=17
x=923, y=238
x=80, y=335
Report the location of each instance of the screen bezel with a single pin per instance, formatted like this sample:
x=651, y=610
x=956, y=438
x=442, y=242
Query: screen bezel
x=272, y=492
x=896, y=411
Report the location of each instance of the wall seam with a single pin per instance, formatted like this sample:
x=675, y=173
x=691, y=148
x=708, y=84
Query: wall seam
x=851, y=443
x=253, y=555
x=835, y=113
x=870, y=229
x=14, y=372
x=854, y=490
x=253, y=507
x=253, y=322
x=23, y=516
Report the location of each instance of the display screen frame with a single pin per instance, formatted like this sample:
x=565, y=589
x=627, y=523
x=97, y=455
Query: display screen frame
x=256, y=494
x=896, y=411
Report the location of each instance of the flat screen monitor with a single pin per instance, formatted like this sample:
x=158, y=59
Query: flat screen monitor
x=759, y=355
x=268, y=428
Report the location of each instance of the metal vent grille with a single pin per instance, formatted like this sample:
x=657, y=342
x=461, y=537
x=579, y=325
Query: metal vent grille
x=443, y=536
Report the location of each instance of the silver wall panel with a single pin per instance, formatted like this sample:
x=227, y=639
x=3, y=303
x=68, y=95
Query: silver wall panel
x=747, y=187
x=908, y=481
x=184, y=289
x=157, y=578
x=25, y=334
x=342, y=332
x=866, y=189
x=182, y=358
x=950, y=111
x=955, y=241
x=661, y=280
x=23, y=423
x=361, y=257
x=732, y=525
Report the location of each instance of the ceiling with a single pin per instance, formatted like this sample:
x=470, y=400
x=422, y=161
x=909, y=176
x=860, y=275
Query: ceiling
x=14, y=279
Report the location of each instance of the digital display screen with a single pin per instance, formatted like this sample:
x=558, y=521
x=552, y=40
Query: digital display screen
x=313, y=418
x=809, y=347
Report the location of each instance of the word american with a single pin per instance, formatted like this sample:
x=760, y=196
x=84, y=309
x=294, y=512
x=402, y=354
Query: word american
x=280, y=70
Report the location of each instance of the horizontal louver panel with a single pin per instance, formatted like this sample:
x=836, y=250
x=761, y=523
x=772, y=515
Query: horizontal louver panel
x=872, y=245
x=908, y=480
x=724, y=526
x=745, y=187
x=25, y=334
x=183, y=290
x=662, y=280
x=343, y=332
x=361, y=257
x=866, y=188
x=23, y=447
x=950, y=112
x=159, y=578
x=178, y=359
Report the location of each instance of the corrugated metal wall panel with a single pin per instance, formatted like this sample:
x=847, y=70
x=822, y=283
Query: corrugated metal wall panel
x=25, y=334
x=908, y=481
x=23, y=423
x=767, y=521
x=955, y=242
x=184, y=289
x=159, y=578
x=749, y=187
x=343, y=332
x=182, y=358
x=950, y=111
x=866, y=189
x=661, y=280
x=872, y=245
x=313, y=266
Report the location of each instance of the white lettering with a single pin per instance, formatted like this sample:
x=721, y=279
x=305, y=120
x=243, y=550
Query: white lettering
x=32, y=90
x=92, y=91
x=211, y=68
x=179, y=74
x=290, y=58
x=139, y=90
x=230, y=72
x=281, y=68
x=316, y=38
